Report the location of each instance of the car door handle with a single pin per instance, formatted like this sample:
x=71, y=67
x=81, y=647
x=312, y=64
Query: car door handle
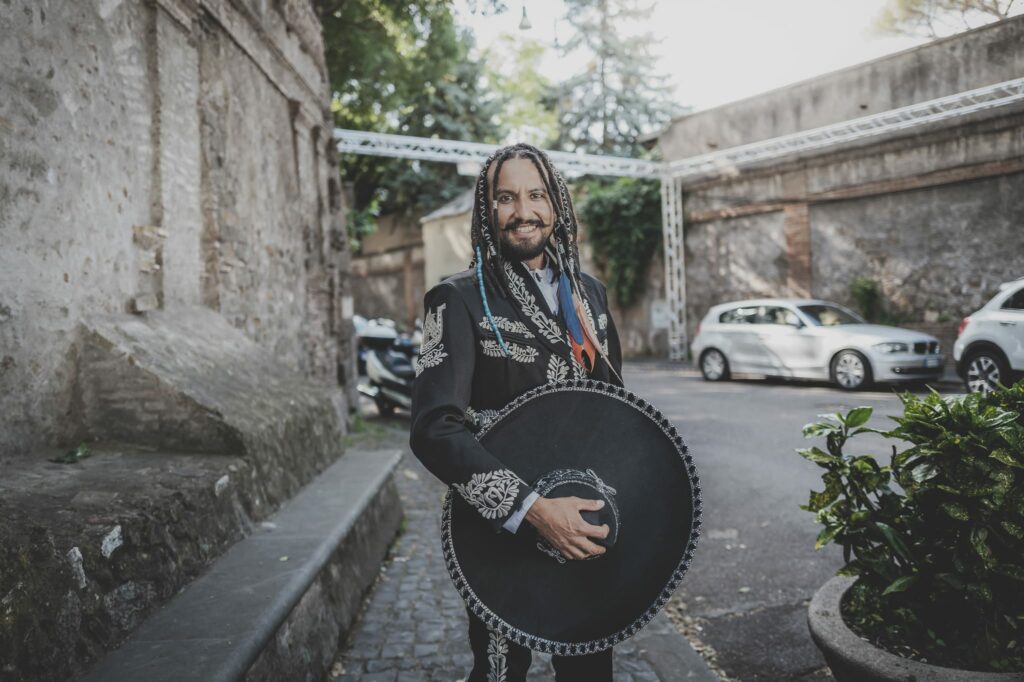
x=1008, y=324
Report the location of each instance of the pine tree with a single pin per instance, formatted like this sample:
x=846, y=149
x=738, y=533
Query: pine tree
x=618, y=97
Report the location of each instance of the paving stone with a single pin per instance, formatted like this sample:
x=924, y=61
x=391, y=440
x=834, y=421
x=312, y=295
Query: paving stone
x=421, y=650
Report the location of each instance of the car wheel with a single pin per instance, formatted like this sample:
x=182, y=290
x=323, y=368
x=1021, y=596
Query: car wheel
x=851, y=371
x=714, y=366
x=986, y=369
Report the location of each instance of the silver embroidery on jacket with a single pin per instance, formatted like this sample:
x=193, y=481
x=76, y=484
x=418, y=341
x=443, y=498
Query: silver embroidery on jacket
x=558, y=370
x=497, y=650
x=602, y=321
x=491, y=492
x=590, y=313
x=480, y=418
x=518, y=352
x=432, y=351
x=548, y=327
x=505, y=324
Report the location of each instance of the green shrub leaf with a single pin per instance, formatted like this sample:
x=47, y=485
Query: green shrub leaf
x=900, y=584
x=818, y=456
x=956, y=510
x=1010, y=571
x=858, y=416
x=894, y=540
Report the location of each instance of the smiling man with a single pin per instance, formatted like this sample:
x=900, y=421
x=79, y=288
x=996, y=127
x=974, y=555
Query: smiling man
x=522, y=315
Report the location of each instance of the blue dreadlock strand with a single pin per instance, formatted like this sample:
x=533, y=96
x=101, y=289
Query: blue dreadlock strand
x=487, y=308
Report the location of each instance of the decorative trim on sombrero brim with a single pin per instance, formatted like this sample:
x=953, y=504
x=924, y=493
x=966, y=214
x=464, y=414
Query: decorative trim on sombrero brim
x=495, y=622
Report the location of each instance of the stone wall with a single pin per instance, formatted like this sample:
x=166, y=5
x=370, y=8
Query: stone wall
x=932, y=214
x=163, y=153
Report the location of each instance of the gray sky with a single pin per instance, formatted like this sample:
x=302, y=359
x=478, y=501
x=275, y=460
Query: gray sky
x=716, y=51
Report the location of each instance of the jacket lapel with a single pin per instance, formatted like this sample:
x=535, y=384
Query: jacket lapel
x=533, y=310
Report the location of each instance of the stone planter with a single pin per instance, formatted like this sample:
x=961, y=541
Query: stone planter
x=854, y=660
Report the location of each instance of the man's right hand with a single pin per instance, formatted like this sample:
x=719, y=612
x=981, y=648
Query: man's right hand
x=559, y=522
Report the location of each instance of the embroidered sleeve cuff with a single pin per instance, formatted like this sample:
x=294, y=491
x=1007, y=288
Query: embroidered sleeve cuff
x=513, y=521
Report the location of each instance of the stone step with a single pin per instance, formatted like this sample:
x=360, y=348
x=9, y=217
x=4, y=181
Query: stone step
x=274, y=605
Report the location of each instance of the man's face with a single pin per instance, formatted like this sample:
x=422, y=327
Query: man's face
x=525, y=213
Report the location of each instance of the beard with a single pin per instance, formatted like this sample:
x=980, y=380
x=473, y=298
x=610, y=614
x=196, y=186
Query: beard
x=523, y=249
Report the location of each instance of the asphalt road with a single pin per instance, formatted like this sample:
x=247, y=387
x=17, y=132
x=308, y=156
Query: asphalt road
x=755, y=568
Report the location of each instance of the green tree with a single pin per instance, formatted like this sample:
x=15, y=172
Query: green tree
x=513, y=71
x=403, y=67
x=617, y=97
x=624, y=223
x=937, y=18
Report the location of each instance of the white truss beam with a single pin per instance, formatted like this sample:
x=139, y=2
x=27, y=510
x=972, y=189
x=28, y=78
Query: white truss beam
x=453, y=151
x=963, y=103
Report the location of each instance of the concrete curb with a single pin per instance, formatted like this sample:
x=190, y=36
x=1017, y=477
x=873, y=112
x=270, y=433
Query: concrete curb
x=670, y=654
x=254, y=603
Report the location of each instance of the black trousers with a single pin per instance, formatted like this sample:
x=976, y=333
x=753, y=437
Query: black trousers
x=497, y=659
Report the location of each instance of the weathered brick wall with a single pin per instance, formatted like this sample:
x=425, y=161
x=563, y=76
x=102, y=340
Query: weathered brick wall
x=163, y=153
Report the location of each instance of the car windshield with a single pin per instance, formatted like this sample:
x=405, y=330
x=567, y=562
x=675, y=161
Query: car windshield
x=829, y=315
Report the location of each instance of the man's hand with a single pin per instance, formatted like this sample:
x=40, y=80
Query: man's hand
x=559, y=522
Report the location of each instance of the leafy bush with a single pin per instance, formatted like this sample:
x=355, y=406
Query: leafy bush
x=941, y=560
x=624, y=222
x=870, y=300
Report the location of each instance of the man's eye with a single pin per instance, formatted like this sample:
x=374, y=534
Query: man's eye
x=537, y=195
x=504, y=197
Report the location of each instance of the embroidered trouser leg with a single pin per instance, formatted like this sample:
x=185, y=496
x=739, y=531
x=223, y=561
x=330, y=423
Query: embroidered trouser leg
x=498, y=659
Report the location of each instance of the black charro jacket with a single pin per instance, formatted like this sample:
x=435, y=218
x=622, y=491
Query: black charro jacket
x=464, y=378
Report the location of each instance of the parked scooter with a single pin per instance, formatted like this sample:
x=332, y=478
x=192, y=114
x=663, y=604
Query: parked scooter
x=388, y=359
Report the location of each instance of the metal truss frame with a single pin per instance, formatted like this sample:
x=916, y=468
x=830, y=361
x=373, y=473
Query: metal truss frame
x=734, y=158
x=675, y=175
x=452, y=151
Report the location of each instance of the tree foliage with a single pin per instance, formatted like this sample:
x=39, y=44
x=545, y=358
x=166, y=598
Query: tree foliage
x=404, y=67
x=937, y=18
x=513, y=71
x=617, y=97
x=623, y=220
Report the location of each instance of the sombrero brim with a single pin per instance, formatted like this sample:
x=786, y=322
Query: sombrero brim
x=580, y=607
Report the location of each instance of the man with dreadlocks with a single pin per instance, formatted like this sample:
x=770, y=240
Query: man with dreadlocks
x=522, y=315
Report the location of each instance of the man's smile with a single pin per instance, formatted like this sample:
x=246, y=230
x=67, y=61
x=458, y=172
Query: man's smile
x=523, y=228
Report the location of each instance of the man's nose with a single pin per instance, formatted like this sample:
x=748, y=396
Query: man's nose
x=519, y=207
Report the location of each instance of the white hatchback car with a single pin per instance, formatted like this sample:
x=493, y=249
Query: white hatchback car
x=810, y=339
x=989, y=348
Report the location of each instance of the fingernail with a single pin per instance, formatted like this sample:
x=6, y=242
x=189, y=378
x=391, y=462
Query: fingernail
x=600, y=503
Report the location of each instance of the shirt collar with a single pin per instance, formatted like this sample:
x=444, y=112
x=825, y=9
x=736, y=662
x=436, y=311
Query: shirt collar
x=546, y=272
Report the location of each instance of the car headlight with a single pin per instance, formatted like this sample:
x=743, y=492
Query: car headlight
x=892, y=347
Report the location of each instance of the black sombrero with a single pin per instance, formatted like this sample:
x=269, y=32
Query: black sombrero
x=592, y=440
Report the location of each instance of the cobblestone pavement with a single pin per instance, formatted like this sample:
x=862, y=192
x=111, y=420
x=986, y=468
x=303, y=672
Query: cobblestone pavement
x=414, y=624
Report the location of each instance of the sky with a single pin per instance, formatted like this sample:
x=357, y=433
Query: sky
x=718, y=51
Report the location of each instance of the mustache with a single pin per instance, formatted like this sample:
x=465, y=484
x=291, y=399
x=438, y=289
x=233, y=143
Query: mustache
x=515, y=222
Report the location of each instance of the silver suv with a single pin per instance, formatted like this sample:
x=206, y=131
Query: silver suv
x=989, y=348
x=810, y=339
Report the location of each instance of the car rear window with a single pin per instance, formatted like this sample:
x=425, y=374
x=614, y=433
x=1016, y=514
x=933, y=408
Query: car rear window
x=1015, y=302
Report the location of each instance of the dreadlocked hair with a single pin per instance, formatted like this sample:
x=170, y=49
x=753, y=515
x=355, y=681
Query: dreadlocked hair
x=485, y=230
